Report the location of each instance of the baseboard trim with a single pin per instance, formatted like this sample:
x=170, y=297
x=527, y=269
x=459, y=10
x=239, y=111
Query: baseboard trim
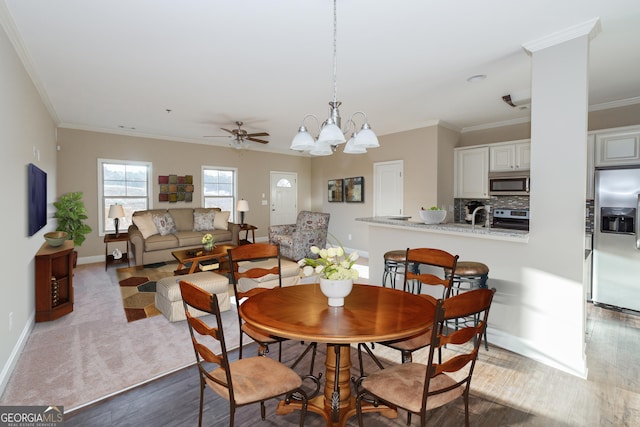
x=10, y=366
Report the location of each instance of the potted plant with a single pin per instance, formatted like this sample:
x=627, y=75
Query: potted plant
x=71, y=215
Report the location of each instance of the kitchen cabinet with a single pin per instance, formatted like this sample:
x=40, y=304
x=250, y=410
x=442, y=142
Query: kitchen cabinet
x=511, y=156
x=618, y=147
x=54, y=281
x=471, y=173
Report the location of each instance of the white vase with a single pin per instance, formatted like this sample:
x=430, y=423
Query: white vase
x=336, y=290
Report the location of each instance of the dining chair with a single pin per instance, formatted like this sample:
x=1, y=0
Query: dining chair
x=240, y=267
x=427, y=268
x=240, y=259
x=243, y=381
x=419, y=388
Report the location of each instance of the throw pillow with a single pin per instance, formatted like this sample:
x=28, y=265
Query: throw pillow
x=203, y=221
x=145, y=224
x=221, y=220
x=164, y=223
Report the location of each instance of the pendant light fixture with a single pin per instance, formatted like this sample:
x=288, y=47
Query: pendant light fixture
x=330, y=134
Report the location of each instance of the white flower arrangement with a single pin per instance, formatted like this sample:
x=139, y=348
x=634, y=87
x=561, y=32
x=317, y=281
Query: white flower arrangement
x=332, y=263
x=207, y=239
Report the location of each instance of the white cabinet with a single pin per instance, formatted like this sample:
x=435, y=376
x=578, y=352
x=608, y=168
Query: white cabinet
x=472, y=173
x=510, y=157
x=618, y=147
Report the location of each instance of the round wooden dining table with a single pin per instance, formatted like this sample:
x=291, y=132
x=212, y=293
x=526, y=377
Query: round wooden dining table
x=370, y=314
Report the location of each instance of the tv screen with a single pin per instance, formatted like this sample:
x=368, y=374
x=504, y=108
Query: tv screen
x=37, y=199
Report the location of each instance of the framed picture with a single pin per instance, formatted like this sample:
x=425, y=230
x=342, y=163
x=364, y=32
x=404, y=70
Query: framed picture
x=354, y=189
x=336, y=190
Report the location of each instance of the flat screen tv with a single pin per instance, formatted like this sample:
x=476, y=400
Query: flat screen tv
x=37, y=199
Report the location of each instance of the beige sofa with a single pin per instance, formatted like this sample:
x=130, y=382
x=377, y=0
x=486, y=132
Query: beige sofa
x=156, y=233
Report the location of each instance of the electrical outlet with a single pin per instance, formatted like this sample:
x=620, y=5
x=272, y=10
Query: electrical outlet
x=349, y=236
x=10, y=321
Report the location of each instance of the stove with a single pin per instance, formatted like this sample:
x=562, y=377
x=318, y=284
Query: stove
x=513, y=219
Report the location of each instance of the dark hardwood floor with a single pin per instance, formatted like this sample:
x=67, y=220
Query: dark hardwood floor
x=507, y=390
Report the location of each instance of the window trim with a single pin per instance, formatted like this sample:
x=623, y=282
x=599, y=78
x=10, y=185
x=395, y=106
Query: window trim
x=235, y=186
x=101, y=209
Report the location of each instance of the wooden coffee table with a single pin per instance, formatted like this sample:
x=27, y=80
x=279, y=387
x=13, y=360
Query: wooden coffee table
x=195, y=256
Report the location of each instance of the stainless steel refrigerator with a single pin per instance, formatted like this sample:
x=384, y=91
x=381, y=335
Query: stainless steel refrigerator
x=616, y=248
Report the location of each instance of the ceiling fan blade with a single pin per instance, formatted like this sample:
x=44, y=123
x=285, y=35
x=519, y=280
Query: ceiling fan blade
x=216, y=136
x=258, y=134
x=227, y=130
x=257, y=140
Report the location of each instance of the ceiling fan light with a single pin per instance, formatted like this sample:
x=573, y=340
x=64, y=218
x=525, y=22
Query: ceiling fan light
x=303, y=141
x=352, y=148
x=366, y=138
x=331, y=134
x=321, y=148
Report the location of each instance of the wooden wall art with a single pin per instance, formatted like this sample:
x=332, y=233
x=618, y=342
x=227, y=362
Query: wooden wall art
x=174, y=188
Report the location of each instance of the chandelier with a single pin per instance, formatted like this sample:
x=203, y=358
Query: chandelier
x=330, y=133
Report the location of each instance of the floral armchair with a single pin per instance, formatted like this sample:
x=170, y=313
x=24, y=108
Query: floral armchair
x=295, y=240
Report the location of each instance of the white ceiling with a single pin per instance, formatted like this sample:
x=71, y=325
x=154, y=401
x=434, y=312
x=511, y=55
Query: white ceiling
x=113, y=65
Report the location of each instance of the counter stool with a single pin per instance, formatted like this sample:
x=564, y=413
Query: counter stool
x=394, y=265
x=469, y=275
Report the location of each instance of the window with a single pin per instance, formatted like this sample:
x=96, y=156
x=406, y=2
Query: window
x=219, y=188
x=124, y=183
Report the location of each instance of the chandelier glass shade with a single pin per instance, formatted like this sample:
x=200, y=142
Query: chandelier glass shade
x=330, y=135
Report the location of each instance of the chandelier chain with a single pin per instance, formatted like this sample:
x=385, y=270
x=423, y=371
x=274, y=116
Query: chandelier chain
x=335, y=57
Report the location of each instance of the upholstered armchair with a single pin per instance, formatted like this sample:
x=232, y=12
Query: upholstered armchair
x=295, y=240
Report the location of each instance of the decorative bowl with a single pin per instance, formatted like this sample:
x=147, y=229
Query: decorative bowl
x=429, y=216
x=55, y=238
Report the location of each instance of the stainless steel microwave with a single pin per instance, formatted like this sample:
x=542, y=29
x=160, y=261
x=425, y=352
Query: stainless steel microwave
x=508, y=184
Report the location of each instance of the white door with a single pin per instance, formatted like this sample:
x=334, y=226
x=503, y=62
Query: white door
x=284, y=198
x=388, y=188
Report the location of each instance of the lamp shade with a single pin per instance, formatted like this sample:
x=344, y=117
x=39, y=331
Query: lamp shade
x=116, y=211
x=352, y=148
x=331, y=134
x=321, y=148
x=303, y=141
x=366, y=138
x=242, y=206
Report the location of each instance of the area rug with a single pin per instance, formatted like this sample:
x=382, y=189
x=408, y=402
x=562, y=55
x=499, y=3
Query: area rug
x=138, y=288
x=93, y=352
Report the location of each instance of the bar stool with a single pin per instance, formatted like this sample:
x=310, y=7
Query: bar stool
x=469, y=275
x=394, y=265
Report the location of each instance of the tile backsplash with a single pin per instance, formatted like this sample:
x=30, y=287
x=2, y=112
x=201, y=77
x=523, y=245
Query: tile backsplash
x=496, y=202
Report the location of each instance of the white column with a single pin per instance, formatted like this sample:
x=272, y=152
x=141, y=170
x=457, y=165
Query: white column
x=559, y=114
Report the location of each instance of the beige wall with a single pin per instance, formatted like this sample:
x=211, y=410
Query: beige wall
x=599, y=119
x=427, y=154
x=80, y=151
x=27, y=135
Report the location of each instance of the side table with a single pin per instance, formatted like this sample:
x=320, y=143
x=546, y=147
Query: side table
x=108, y=258
x=248, y=228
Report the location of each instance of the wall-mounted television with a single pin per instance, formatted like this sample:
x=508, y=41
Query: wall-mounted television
x=37, y=199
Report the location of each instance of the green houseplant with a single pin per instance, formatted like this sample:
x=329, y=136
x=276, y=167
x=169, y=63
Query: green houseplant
x=71, y=215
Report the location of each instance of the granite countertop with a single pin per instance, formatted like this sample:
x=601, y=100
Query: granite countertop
x=462, y=229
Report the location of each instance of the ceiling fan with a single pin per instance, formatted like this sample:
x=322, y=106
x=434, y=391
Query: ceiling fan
x=240, y=136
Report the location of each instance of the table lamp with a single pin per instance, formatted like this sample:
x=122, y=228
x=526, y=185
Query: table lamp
x=242, y=207
x=116, y=212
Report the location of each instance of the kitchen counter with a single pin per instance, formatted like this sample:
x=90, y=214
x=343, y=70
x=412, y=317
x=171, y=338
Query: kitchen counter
x=462, y=229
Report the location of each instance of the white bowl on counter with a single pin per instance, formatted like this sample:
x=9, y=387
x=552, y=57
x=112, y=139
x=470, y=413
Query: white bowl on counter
x=429, y=216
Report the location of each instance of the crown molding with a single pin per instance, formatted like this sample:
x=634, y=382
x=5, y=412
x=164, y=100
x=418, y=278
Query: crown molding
x=590, y=28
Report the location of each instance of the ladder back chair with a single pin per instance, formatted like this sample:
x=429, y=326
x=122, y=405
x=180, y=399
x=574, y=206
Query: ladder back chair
x=434, y=261
x=418, y=387
x=241, y=382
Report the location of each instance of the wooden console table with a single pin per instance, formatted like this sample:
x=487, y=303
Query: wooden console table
x=54, y=281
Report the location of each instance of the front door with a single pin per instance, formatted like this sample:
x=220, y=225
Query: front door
x=284, y=198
